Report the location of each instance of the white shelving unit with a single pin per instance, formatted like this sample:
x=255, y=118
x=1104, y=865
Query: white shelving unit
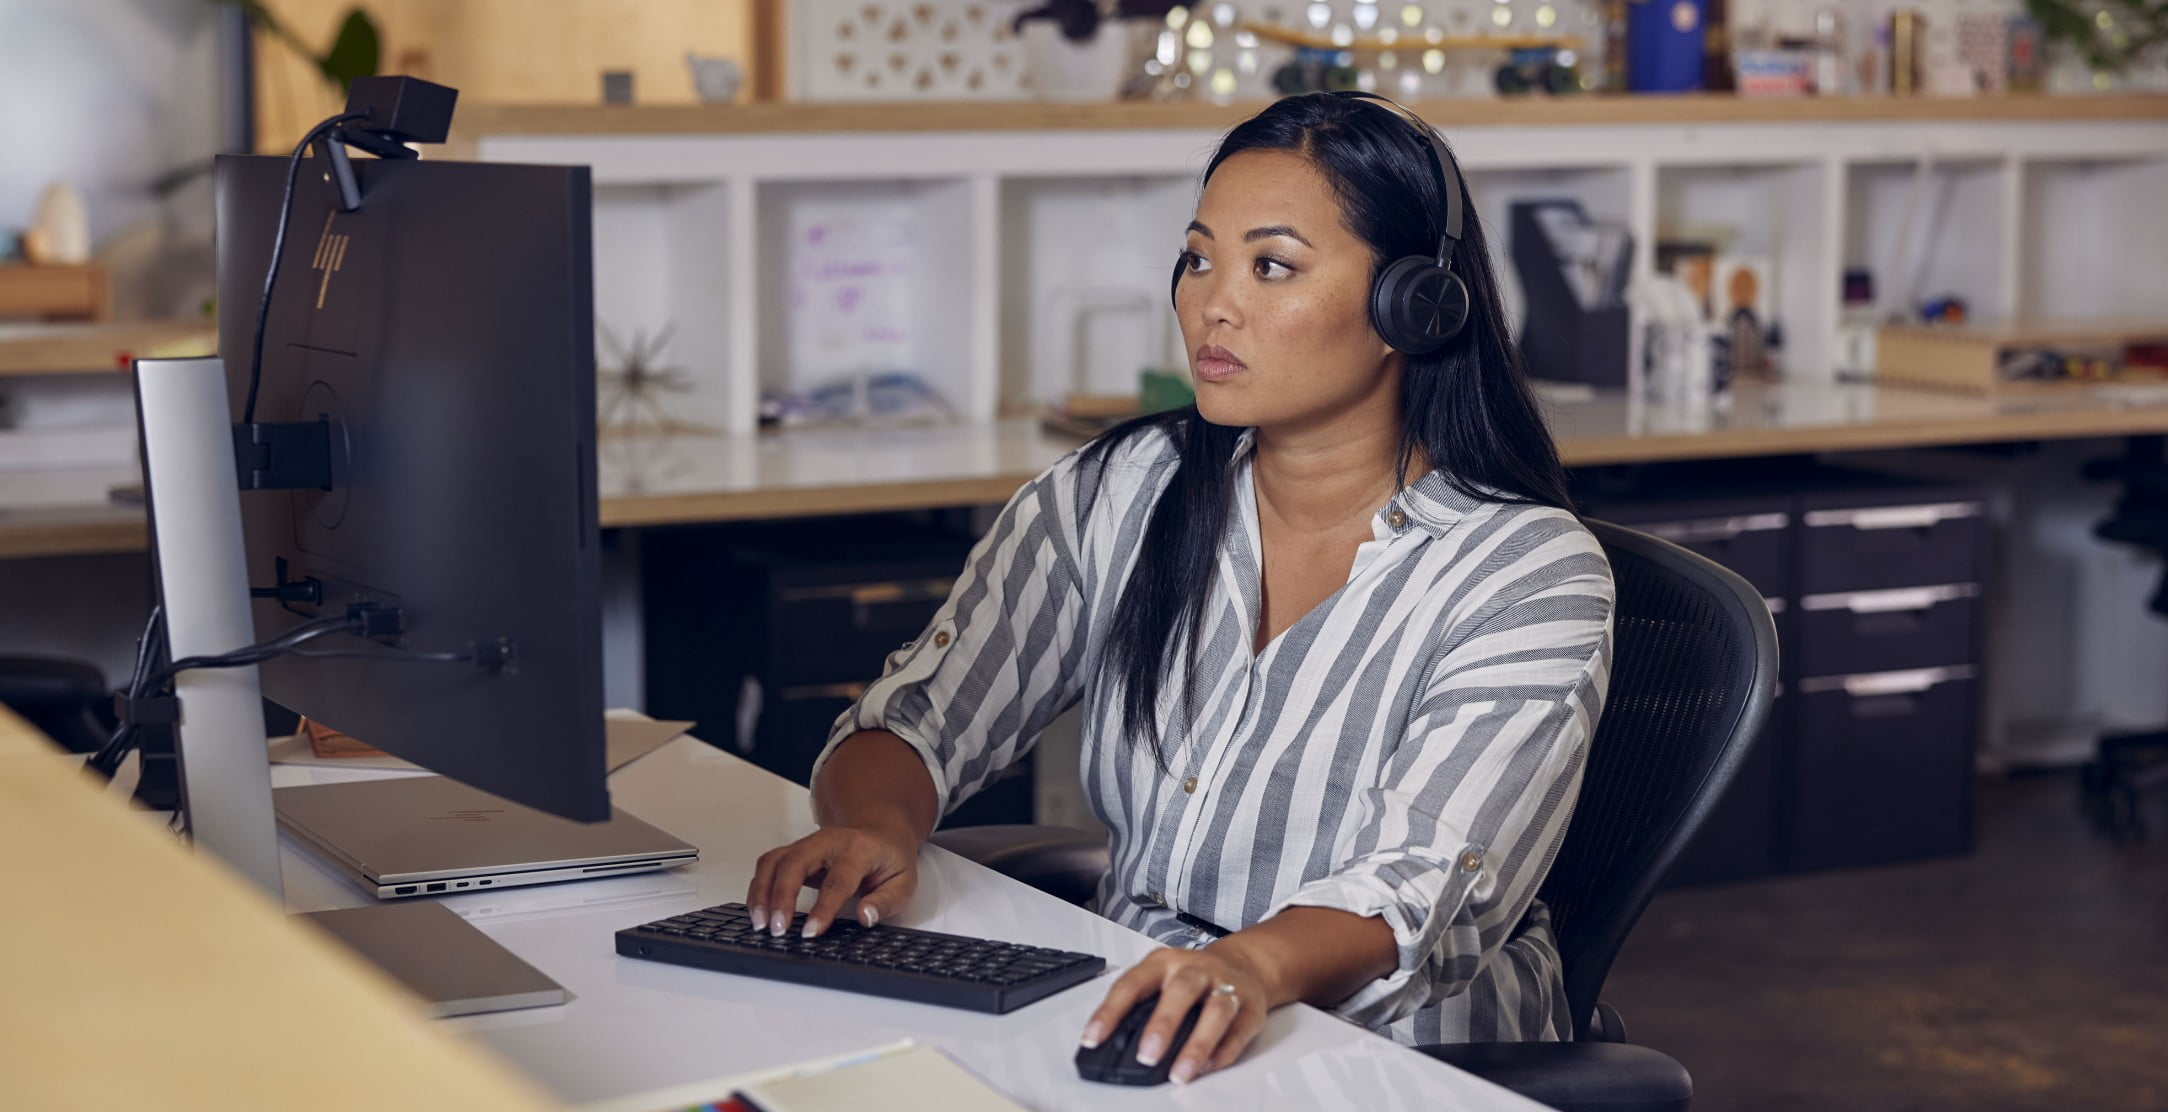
x=2089, y=235
x=1011, y=259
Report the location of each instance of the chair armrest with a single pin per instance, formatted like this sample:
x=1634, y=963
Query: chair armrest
x=65, y=699
x=1577, y=1076
x=43, y=682
x=1609, y=1027
x=1058, y=860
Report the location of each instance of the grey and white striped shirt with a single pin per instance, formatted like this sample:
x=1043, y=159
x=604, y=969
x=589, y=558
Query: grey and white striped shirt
x=1410, y=749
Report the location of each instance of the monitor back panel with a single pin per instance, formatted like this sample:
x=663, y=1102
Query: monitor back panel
x=446, y=331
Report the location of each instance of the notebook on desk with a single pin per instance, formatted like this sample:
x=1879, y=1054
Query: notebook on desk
x=427, y=835
x=903, y=1076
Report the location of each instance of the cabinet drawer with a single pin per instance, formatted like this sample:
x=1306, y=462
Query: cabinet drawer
x=1846, y=633
x=1753, y=540
x=1883, y=766
x=843, y=631
x=794, y=725
x=1859, y=547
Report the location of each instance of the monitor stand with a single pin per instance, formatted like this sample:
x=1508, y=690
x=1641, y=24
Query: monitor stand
x=195, y=513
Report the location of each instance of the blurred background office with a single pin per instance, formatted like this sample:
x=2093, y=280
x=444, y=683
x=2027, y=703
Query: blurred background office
x=1866, y=299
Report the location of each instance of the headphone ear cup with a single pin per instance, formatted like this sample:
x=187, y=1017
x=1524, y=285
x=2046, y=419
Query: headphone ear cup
x=1418, y=306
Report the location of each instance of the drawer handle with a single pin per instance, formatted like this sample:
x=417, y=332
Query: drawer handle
x=1891, y=601
x=1715, y=528
x=1894, y=517
x=1910, y=682
x=875, y=594
x=851, y=691
x=917, y=590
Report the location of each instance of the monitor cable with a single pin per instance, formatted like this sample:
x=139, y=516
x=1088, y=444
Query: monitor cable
x=316, y=134
x=147, y=701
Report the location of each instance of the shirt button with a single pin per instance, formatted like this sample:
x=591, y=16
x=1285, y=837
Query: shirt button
x=1470, y=862
x=1396, y=519
x=1190, y=785
x=941, y=640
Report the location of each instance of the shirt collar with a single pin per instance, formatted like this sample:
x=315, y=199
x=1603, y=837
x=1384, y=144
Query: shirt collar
x=1434, y=503
x=1430, y=503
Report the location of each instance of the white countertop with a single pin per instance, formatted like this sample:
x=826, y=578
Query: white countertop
x=635, y=1026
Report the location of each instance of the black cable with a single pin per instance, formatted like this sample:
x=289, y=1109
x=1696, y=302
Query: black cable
x=108, y=759
x=261, y=651
x=117, y=745
x=364, y=654
x=150, y=677
x=144, y=647
x=278, y=251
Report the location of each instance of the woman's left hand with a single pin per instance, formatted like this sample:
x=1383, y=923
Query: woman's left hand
x=1180, y=977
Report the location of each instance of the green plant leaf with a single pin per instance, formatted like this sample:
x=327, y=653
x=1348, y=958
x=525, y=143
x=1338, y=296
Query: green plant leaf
x=2141, y=28
x=354, y=53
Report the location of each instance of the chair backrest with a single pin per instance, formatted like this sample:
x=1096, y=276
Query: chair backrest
x=1693, y=671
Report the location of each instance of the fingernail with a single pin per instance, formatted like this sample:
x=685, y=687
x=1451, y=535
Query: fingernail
x=1092, y=1036
x=1148, y=1053
x=760, y=916
x=870, y=915
x=809, y=930
x=778, y=922
x=1183, y=1073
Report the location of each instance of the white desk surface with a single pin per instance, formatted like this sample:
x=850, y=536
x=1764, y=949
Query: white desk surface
x=634, y=1026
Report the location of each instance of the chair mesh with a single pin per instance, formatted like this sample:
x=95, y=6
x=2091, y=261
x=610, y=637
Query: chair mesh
x=1682, y=673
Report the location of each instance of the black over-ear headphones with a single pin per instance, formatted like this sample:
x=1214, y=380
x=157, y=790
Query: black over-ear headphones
x=1417, y=304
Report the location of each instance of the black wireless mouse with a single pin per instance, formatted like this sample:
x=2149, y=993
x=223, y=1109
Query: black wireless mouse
x=1114, y=1060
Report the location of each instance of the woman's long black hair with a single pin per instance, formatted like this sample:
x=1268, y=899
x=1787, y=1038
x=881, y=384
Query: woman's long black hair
x=1468, y=409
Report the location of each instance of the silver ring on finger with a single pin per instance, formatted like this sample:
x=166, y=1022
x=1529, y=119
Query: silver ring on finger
x=1228, y=991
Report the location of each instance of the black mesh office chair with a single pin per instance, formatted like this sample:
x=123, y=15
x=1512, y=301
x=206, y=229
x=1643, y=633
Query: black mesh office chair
x=67, y=700
x=1693, y=671
x=2128, y=765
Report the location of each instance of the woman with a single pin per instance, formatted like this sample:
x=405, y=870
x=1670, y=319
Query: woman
x=1341, y=644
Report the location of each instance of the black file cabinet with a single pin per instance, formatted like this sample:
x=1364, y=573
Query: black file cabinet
x=764, y=634
x=1890, y=635
x=1751, y=536
x=1878, y=588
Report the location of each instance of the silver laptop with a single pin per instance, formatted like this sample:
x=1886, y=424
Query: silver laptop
x=428, y=835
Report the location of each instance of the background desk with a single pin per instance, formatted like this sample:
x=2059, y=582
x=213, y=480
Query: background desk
x=648, y=481
x=634, y=1026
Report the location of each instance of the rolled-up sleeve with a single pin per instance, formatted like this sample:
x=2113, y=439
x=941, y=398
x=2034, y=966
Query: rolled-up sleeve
x=1469, y=809
x=1001, y=658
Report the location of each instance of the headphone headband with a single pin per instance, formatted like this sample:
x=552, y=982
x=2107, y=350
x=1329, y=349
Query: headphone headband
x=1448, y=183
x=1417, y=304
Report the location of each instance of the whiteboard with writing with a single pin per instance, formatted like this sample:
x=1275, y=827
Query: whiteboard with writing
x=851, y=301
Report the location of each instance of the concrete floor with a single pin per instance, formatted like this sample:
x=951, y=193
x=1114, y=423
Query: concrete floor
x=2032, y=974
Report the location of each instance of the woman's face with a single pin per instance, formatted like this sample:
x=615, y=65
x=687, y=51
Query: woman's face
x=1274, y=300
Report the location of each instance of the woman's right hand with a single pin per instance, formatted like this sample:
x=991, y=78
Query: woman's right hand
x=876, y=868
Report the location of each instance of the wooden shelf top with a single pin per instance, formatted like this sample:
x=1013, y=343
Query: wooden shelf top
x=226, y=1002
x=815, y=472
x=591, y=119
x=47, y=349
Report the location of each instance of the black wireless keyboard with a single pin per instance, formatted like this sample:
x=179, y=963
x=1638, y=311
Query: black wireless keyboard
x=957, y=972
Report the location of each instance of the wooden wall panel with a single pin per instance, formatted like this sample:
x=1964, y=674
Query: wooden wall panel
x=503, y=51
